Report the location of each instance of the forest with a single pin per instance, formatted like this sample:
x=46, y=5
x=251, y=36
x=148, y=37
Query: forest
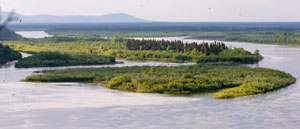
x=177, y=46
x=224, y=80
x=7, y=54
x=55, y=58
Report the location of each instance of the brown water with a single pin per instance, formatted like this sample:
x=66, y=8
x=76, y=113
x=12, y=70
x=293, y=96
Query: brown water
x=77, y=105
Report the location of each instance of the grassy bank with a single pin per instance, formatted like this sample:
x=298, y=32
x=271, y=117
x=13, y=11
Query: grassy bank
x=53, y=59
x=240, y=80
x=7, y=54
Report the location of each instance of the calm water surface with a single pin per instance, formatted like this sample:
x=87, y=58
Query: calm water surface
x=33, y=34
x=77, y=105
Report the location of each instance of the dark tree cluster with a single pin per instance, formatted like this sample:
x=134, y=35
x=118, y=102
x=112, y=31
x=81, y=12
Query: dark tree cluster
x=54, y=59
x=7, y=54
x=177, y=45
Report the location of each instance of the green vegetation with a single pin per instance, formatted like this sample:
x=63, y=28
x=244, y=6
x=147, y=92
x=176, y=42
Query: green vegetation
x=205, y=52
x=59, y=39
x=264, y=32
x=217, y=69
x=165, y=51
x=284, y=33
x=236, y=80
x=53, y=59
x=177, y=46
x=7, y=54
x=265, y=37
x=235, y=55
x=252, y=36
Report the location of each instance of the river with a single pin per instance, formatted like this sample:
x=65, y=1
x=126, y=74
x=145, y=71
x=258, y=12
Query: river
x=78, y=105
x=33, y=34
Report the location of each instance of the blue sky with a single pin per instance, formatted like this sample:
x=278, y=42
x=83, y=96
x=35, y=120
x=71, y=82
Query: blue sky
x=166, y=10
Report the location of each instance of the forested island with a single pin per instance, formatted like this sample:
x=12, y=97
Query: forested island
x=147, y=50
x=54, y=59
x=7, y=54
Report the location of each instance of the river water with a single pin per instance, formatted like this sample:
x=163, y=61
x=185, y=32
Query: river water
x=33, y=34
x=78, y=105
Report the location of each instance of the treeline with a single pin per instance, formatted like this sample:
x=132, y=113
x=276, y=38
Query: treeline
x=7, y=54
x=53, y=59
x=177, y=45
x=59, y=39
x=266, y=37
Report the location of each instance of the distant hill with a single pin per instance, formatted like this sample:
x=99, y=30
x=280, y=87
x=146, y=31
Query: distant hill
x=6, y=35
x=109, y=18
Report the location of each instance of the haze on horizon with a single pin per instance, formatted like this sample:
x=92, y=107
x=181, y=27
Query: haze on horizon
x=167, y=10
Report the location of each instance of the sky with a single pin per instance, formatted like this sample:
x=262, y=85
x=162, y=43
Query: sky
x=167, y=10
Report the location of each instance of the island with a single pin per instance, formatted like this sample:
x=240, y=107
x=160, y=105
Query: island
x=227, y=80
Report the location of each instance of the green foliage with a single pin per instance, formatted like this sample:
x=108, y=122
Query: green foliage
x=155, y=51
x=60, y=39
x=177, y=45
x=267, y=33
x=52, y=59
x=235, y=54
x=240, y=80
x=118, y=39
x=187, y=76
x=258, y=36
x=7, y=54
x=256, y=87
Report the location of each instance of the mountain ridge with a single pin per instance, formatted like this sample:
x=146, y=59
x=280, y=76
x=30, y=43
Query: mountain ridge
x=107, y=18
